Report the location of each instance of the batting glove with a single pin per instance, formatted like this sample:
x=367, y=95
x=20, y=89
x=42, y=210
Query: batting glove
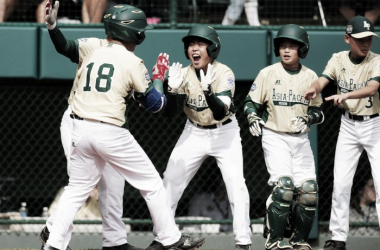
x=207, y=79
x=299, y=123
x=254, y=124
x=161, y=67
x=175, y=77
x=51, y=14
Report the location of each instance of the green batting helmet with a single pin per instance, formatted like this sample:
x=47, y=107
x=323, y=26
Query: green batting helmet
x=296, y=33
x=207, y=33
x=126, y=23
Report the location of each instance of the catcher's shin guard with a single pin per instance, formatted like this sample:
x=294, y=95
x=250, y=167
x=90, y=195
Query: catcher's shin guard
x=278, y=207
x=304, y=211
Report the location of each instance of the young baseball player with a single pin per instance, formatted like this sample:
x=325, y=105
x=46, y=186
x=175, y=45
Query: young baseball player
x=357, y=74
x=276, y=103
x=108, y=73
x=111, y=184
x=204, y=90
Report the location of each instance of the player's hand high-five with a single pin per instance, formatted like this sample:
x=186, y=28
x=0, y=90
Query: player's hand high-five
x=161, y=67
x=175, y=77
x=51, y=14
x=209, y=78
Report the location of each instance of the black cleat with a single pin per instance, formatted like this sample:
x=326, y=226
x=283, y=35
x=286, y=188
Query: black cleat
x=48, y=247
x=186, y=243
x=125, y=246
x=242, y=247
x=155, y=245
x=44, y=236
x=334, y=245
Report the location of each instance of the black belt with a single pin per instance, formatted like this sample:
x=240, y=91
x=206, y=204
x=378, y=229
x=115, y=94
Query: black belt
x=74, y=116
x=359, y=117
x=211, y=126
x=293, y=133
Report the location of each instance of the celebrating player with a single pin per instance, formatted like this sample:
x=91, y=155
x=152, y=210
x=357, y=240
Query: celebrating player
x=108, y=72
x=276, y=104
x=111, y=184
x=357, y=73
x=204, y=90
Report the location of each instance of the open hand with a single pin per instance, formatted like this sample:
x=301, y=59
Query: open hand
x=51, y=14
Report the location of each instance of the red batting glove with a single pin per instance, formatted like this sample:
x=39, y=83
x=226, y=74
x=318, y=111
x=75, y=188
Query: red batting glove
x=161, y=67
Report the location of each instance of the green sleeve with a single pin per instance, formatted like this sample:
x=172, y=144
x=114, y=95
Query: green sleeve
x=158, y=84
x=315, y=115
x=217, y=106
x=68, y=48
x=174, y=105
x=253, y=107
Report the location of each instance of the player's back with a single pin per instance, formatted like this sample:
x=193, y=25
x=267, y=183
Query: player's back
x=104, y=80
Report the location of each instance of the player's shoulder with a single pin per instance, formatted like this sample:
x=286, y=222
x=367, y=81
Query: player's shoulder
x=92, y=40
x=220, y=66
x=373, y=56
x=307, y=70
x=341, y=55
x=222, y=69
x=271, y=68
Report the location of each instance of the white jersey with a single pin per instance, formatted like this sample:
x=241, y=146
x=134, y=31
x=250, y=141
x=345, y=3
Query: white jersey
x=350, y=77
x=196, y=107
x=282, y=94
x=100, y=88
x=85, y=46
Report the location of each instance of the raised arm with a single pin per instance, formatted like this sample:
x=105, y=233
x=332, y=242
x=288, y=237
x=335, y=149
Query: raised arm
x=68, y=48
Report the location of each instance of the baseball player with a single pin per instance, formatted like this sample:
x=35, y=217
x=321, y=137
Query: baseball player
x=276, y=103
x=204, y=90
x=357, y=74
x=110, y=186
x=108, y=72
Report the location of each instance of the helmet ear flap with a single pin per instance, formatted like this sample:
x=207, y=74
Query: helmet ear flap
x=213, y=51
x=302, y=51
x=186, y=46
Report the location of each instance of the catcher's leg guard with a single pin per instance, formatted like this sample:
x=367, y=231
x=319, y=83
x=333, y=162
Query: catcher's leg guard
x=304, y=211
x=278, y=206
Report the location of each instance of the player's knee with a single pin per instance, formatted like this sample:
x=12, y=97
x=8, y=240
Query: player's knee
x=283, y=191
x=307, y=193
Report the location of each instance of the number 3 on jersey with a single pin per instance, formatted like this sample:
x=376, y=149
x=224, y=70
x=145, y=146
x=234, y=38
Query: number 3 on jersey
x=105, y=67
x=370, y=103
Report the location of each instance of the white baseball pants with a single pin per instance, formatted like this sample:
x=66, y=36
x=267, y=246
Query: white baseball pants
x=193, y=147
x=110, y=188
x=354, y=136
x=288, y=155
x=93, y=144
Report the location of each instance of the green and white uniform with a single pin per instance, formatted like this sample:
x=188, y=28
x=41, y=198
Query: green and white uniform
x=280, y=95
x=277, y=96
x=205, y=136
x=359, y=130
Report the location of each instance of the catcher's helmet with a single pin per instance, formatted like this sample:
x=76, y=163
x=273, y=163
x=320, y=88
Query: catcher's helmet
x=205, y=32
x=294, y=32
x=126, y=23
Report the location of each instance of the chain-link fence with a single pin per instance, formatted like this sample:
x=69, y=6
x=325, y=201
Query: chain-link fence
x=270, y=12
x=33, y=166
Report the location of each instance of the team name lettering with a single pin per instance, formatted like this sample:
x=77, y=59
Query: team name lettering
x=199, y=103
x=288, y=99
x=345, y=87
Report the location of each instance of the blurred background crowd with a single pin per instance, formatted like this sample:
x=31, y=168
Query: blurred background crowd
x=224, y=12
